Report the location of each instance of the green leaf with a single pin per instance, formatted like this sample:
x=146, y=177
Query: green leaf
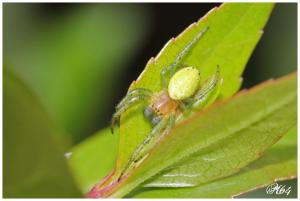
x=229, y=155
x=33, y=155
x=93, y=158
x=73, y=61
x=278, y=163
x=226, y=121
x=234, y=30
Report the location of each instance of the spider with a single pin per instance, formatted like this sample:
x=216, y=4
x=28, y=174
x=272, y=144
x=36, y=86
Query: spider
x=181, y=94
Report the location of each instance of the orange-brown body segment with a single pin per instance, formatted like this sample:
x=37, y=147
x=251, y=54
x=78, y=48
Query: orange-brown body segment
x=162, y=104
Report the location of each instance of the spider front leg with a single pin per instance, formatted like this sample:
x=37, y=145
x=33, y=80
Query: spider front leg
x=156, y=134
x=132, y=97
x=170, y=70
x=134, y=92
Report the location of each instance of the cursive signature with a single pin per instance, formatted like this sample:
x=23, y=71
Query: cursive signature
x=278, y=189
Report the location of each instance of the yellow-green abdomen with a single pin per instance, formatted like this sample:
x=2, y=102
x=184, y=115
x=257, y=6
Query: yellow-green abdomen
x=184, y=83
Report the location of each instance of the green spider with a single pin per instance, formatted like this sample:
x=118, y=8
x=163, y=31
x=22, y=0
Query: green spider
x=181, y=94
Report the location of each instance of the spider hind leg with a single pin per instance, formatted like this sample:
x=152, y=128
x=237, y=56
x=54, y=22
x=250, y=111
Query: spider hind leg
x=156, y=134
x=208, y=92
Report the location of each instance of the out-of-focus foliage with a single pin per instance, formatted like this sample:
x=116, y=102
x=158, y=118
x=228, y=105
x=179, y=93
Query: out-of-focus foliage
x=276, y=54
x=72, y=61
x=33, y=161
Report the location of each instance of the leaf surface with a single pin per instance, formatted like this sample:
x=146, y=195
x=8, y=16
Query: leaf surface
x=278, y=163
x=72, y=62
x=231, y=154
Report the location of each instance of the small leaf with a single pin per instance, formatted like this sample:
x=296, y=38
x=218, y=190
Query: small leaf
x=278, y=163
x=33, y=157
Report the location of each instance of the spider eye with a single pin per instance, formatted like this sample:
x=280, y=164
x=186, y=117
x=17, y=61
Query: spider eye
x=184, y=83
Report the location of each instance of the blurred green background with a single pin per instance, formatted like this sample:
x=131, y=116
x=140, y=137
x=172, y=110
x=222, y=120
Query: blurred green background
x=79, y=60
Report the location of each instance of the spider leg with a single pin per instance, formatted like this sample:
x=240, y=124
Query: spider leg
x=156, y=134
x=190, y=45
x=134, y=92
x=208, y=92
x=170, y=70
x=126, y=103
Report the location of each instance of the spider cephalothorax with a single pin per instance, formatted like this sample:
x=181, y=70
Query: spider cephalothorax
x=182, y=93
x=160, y=105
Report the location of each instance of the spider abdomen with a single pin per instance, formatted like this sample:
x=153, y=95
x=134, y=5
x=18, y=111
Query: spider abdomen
x=184, y=83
